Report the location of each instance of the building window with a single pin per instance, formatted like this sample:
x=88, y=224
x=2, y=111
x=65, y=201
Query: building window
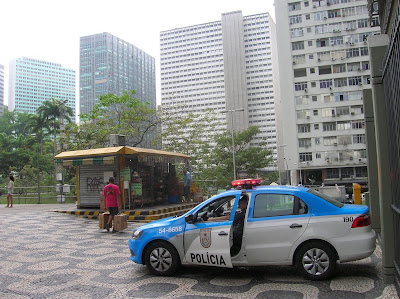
x=315, y=112
x=316, y=140
x=318, y=155
x=329, y=141
x=354, y=52
x=295, y=19
x=297, y=46
x=329, y=127
x=316, y=126
x=355, y=81
x=305, y=157
x=363, y=51
x=296, y=32
x=294, y=6
x=305, y=142
x=340, y=82
x=314, y=98
x=342, y=126
x=325, y=83
x=313, y=84
x=357, y=124
x=359, y=138
x=361, y=172
x=332, y=173
x=341, y=96
x=303, y=128
x=347, y=172
x=300, y=86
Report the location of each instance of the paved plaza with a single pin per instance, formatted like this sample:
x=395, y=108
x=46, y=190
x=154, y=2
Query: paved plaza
x=51, y=255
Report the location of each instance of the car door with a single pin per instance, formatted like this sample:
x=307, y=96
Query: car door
x=208, y=242
x=275, y=221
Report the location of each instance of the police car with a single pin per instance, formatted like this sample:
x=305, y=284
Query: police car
x=283, y=225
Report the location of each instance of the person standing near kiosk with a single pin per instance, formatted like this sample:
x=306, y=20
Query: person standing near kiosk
x=112, y=196
x=187, y=182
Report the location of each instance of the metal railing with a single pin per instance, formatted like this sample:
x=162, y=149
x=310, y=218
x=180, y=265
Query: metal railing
x=30, y=195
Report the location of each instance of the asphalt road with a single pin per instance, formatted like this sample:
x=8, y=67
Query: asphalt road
x=51, y=255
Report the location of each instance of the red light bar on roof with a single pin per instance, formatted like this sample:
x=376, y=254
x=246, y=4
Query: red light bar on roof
x=246, y=182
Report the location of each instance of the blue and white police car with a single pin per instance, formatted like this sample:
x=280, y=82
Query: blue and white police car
x=282, y=225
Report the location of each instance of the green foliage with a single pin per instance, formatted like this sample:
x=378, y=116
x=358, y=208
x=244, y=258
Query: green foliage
x=248, y=159
x=191, y=134
x=124, y=115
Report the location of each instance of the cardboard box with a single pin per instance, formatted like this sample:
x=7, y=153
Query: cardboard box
x=103, y=219
x=102, y=202
x=120, y=222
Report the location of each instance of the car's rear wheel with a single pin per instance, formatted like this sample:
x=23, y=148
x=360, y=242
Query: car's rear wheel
x=316, y=261
x=161, y=258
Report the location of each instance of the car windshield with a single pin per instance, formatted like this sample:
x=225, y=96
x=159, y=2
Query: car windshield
x=327, y=198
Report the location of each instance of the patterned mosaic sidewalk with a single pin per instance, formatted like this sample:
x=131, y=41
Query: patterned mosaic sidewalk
x=51, y=255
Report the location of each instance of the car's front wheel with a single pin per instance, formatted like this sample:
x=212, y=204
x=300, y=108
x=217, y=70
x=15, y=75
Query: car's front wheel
x=316, y=261
x=161, y=258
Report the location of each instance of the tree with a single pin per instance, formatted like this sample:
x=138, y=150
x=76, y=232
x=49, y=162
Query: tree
x=124, y=115
x=248, y=159
x=53, y=112
x=191, y=134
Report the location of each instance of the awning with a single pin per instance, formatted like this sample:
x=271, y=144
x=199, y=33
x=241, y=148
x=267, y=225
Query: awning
x=89, y=161
x=101, y=153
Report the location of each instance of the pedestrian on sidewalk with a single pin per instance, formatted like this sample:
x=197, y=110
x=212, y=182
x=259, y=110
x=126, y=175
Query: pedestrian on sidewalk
x=10, y=188
x=112, y=196
x=187, y=182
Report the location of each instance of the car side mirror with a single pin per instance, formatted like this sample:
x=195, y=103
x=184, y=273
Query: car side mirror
x=190, y=218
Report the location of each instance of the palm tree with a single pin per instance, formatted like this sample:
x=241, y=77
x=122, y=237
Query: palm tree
x=54, y=112
x=35, y=125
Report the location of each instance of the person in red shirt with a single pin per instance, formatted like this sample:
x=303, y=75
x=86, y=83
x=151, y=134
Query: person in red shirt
x=112, y=195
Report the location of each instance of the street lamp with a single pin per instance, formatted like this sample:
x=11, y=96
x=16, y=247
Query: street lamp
x=279, y=169
x=233, y=141
x=287, y=170
x=37, y=166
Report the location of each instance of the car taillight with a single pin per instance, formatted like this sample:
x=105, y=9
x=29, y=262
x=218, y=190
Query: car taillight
x=361, y=221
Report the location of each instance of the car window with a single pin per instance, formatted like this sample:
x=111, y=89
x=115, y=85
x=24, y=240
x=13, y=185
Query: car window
x=326, y=198
x=221, y=206
x=269, y=205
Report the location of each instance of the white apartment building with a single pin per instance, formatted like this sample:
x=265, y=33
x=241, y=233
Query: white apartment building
x=324, y=63
x=224, y=65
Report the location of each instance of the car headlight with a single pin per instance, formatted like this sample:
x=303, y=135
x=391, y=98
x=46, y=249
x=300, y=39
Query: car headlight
x=137, y=233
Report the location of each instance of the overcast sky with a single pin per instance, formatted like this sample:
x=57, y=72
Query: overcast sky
x=50, y=30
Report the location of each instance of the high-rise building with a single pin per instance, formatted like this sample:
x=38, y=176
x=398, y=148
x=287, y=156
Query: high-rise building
x=109, y=64
x=324, y=63
x=1, y=88
x=34, y=81
x=226, y=66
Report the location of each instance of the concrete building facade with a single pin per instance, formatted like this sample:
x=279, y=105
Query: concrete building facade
x=109, y=64
x=33, y=81
x=225, y=66
x=324, y=64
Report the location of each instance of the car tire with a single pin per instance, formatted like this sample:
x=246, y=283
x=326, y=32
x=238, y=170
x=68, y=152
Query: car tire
x=161, y=258
x=316, y=261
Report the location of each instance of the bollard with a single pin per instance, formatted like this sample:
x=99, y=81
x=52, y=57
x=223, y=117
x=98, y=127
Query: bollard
x=357, y=193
